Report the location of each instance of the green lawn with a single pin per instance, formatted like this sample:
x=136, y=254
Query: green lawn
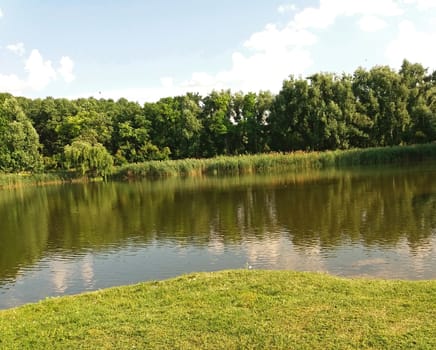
x=241, y=309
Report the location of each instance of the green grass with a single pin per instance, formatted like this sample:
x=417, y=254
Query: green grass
x=8, y=181
x=239, y=165
x=23, y=179
x=241, y=309
x=277, y=162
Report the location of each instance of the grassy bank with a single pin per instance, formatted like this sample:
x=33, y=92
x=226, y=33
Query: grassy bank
x=277, y=162
x=233, y=310
x=23, y=179
x=8, y=181
x=239, y=165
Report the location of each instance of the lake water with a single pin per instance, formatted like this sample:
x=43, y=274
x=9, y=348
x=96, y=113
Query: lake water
x=66, y=239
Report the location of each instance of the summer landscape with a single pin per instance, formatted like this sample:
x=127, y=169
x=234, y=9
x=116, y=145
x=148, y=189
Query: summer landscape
x=205, y=215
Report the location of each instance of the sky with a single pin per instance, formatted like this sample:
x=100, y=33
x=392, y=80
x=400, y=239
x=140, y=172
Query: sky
x=144, y=50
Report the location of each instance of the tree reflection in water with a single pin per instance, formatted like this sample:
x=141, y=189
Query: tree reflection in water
x=312, y=220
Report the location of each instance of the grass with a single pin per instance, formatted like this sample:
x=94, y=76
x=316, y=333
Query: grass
x=240, y=309
x=14, y=180
x=8, y=181
x=239, y=165
x=277, y=162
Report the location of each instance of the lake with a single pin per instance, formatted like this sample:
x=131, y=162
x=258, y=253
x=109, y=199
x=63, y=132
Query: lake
x=67, y=239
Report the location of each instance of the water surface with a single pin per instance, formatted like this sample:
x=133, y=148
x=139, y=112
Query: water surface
x=57, y=240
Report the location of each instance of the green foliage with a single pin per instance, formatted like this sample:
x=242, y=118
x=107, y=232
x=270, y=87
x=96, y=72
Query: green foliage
x=90, y=159
x=47, y=116
x=174, y=123
x=131, y=135
x=371, y=108
x=34, y=179
x=216, y=121
x=19, y=142
x=232, y=310
x=421, y=102
x=277, y=162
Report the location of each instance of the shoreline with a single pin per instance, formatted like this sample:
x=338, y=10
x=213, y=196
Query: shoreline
x=236, y=165
x=233, y=309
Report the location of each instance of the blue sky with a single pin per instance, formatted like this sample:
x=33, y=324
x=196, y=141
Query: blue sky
x=147, y=49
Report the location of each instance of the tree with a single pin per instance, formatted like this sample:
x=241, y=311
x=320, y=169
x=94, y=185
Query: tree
x=420, y=91
x=90, y=159
x=239, y=111
x=47, y=116
x=19, y=142
x=189, y=125
x=325, y=120
x=174, y=123
x=90, y=125
x=289, y=122
x=215, y=118
x=258, y=124
x=382, y=99
x=248, y=122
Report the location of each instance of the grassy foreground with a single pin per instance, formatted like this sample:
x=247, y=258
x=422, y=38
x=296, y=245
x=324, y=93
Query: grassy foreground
x=241, y=309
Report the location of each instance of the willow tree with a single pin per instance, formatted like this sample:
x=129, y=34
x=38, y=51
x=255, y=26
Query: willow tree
x=90, y=159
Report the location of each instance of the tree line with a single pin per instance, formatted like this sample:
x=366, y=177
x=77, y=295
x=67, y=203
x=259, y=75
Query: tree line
x=325, y=111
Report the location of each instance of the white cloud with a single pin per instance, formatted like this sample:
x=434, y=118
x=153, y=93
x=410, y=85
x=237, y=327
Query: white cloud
x=318, y=18
x=384, y=8
x=167, y=82
x=286, y=8
x=412, y=45
x=17, y=49
x=266, y=70
x=274, y=54
x=273, y=39
x=201, y=80
x=11, y=83
x=1, y=13
x=137, y=94
x=329, y=10
x=66, y=69
x=263, y=70
x=40, y=72
x=421, y=4
x=371, y=24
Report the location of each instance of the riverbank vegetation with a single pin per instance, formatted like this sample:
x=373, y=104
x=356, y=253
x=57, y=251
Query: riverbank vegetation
x=232, y=310
x=371, y=108
x=276, y=162
x=235, y=165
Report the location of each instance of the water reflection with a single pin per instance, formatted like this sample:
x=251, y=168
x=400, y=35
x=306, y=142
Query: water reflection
x=378, y=222
x=63, y=273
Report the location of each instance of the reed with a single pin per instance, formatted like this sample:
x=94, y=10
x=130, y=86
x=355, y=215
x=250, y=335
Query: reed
x=8, y=181
x=23, y=179
x=239, y=165
x=277, y=162
x=387, y=155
